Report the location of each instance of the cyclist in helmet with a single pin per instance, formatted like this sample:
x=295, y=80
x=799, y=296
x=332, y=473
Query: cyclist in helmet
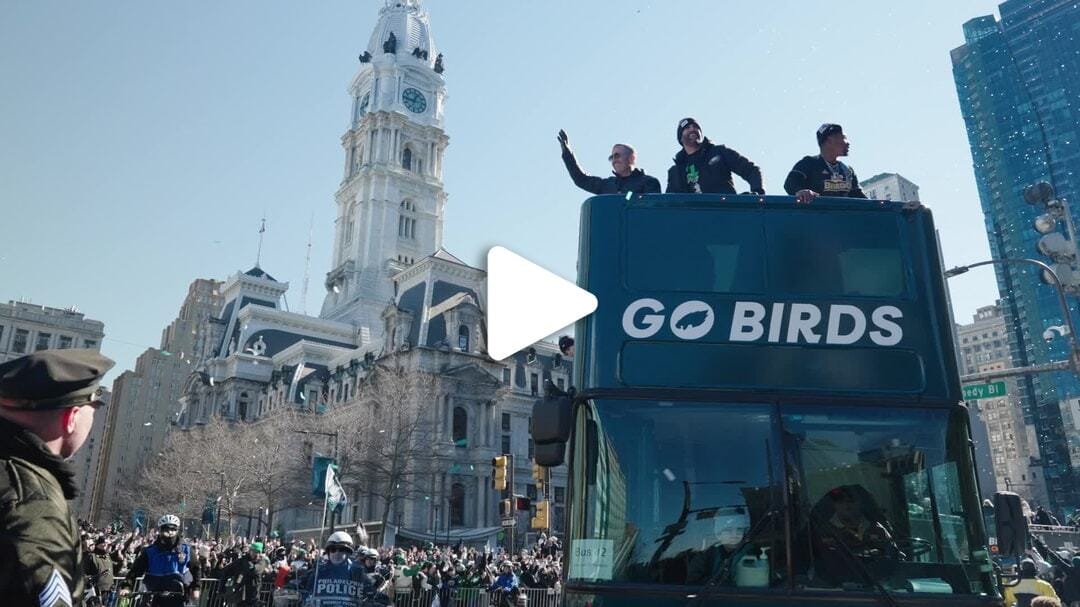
x=165, y=564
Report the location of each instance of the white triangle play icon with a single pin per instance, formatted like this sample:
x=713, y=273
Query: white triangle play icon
x=526, y=303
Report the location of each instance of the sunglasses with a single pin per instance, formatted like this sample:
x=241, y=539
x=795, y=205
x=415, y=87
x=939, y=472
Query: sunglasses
x=170, y=529
x=333, y=549
x=614, y=156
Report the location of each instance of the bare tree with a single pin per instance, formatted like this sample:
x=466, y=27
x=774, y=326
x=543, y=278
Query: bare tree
x=388, y=435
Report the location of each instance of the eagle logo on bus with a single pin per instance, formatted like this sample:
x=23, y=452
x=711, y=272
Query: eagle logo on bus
x=751, y=321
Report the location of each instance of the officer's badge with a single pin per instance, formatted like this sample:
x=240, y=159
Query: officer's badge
x=55, y=593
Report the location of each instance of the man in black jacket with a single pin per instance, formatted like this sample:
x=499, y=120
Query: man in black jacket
x=703, y=167
x=625, y=177
x=824, y=174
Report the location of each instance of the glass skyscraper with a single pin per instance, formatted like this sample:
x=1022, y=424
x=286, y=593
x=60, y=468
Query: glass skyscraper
x=1018, y=82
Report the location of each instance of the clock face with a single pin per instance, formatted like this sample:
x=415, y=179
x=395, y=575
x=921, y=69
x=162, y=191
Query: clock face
x=364, y=104
x=414, y=100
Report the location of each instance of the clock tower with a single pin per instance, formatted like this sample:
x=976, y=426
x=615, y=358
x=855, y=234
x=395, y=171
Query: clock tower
x=391, y=198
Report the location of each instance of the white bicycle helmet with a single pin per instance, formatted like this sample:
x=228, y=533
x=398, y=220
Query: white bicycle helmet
x=170, y=520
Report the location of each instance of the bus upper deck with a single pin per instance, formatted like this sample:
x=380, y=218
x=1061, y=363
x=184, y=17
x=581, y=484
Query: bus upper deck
x=749, y=293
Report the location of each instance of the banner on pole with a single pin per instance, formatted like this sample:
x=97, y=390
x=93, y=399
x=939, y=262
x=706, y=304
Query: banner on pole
x=335, y=493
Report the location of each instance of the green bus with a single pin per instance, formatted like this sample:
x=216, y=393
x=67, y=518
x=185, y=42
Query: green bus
x=766, y=410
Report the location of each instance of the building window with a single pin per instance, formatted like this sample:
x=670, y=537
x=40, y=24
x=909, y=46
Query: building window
x=560, y=495
x=406, y=159
x=506, y=422
x=561, y=383
x=42, y=342
x=457, y=505
x=534, y=383
x=532, y=449
x=506, y=444
x=463, y=338
x=65, y=342
x=1, y=336
x=19, y=343
x=506, y=376
x=530, y=492
x=461, y=427
x=89, y=343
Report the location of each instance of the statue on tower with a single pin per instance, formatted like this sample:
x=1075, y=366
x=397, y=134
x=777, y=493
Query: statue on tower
x=390, y=46
x=439, y=64
x=365, y=58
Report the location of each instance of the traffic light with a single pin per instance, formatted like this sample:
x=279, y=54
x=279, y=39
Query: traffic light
x=498, y=478
x=522, y=503
x=542, y=518
x=506, y=508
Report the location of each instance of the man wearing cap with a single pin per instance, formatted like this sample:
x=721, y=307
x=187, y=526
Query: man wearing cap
x=47, y=403
x=824, y=174
x=703, y=167
x=624, y=176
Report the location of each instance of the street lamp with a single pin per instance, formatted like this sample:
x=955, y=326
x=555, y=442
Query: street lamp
x=1052, y=278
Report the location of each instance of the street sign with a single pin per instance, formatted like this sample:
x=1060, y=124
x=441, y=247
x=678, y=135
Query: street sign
x=508, y=522
x=991, y=390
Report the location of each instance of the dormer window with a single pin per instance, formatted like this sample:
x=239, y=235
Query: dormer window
x=463, y=338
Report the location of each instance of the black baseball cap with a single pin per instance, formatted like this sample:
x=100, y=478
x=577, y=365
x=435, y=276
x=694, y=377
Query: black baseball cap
x=827, y=129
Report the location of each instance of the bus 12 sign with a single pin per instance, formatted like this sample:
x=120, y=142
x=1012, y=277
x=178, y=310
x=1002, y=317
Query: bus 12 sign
x=977, y=391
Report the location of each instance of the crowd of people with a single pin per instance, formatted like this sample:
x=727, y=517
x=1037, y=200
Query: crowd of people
x=118, y=562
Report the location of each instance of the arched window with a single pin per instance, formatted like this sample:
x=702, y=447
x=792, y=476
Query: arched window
x=461, y=427
x=463, y=338
x=406, y=159
x=457, y=505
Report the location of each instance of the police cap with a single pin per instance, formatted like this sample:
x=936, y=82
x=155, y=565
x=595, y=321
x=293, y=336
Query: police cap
x=53, y=379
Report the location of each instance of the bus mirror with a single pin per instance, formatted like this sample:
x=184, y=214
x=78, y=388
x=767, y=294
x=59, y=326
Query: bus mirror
x=550, y=455
x=1010, y=523
x=552, y=419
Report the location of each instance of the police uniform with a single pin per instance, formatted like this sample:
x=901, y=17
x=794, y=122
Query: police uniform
x=40, y=552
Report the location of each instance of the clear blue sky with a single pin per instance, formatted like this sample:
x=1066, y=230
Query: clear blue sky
x=140, y=142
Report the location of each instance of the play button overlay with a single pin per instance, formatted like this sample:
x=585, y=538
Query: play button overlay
x=526, y=303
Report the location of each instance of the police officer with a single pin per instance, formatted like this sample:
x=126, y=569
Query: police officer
x=339, y=581
x=824, y=174
x=625, y=177
x=703, y=167
x=47, y=404
x=166, y=562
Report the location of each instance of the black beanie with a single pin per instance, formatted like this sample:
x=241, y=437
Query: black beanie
x=685, y=122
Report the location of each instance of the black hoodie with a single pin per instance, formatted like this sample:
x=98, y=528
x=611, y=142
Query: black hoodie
x=708, y=171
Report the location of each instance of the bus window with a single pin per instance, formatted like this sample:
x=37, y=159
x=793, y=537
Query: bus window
x=696, y=251
x=669, y=501
x=835, y=255
x=880, y=499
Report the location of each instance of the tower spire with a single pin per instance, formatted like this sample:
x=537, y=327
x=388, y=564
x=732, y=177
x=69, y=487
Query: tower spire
x=262, y=230
x=307, y=266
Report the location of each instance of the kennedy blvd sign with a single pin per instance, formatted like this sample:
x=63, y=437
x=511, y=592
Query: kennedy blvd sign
x=508, y=522
x=977, y=391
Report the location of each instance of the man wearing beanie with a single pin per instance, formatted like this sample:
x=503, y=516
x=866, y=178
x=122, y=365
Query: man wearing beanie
x=824, y=174
x=47, y=405
x=703, y=167
x=624, y=176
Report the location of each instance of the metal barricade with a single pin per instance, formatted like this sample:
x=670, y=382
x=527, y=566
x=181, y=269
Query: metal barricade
x=477, y=597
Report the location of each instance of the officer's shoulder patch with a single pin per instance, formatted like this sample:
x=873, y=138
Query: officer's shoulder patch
x=55, y=592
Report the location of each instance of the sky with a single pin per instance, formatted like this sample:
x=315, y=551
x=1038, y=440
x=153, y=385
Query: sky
x=142, y=142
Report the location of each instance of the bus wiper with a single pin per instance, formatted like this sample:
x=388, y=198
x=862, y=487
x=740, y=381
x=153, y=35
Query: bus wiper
x=883, y=592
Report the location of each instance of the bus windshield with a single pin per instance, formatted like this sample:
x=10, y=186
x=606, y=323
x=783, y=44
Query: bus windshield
x=861, y=498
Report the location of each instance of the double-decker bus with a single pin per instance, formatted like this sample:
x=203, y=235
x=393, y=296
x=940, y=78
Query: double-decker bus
x=766, y=410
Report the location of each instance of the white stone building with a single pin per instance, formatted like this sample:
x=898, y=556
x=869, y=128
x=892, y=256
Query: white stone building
x=27, y=327
x=889, y=186
x=393, y=294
